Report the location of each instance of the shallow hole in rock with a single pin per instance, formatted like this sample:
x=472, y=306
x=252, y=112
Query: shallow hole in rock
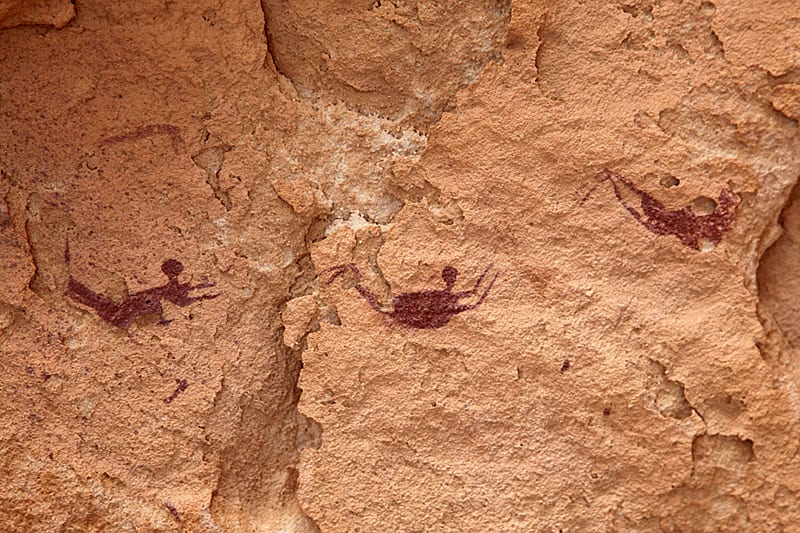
x=706, y=245
x=669, y=181
x=707, y=8
x=703, y=205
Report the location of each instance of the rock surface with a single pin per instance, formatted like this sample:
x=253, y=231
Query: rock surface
x=627, y=370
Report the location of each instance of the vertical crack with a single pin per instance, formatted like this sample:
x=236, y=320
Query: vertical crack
x=211, y=160
x=777, y=287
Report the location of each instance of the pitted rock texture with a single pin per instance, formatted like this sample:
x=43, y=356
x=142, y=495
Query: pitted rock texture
x=614, y=378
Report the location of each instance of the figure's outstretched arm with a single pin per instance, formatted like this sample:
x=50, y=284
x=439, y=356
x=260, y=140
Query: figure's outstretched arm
x=203, y=285
x=474, y=290
x=607, y=175
x=339, y=270
x=604, y=175
x=369, y=297
x=180, y=295
x=365, y=293
x=183, y=300
x=630, y=209
x=616, y=179
x=461, y=308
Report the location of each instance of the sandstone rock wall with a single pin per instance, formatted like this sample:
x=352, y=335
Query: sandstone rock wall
x=625, y=170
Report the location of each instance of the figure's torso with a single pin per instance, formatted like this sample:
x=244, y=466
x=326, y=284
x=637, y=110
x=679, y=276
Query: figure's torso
x=424, y=310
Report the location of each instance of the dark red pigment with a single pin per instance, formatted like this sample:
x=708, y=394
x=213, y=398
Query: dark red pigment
x=173, y=511
x=174, y=132
x=424, y=309
x=182, y=384
x=139, y=303
x=683, y=223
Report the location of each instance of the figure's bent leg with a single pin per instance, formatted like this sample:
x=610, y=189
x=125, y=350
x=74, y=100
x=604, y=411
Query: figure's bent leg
x=86, y=296
x=161, y=320
x=339, y=270
x=105, y=307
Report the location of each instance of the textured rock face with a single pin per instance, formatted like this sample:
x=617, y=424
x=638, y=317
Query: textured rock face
x=632, y=367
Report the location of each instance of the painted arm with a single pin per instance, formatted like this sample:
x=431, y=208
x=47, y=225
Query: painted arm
x=369, y=297
x=460, y=308
x=340, y=270
x=474, y=290
x=365, y=293
x=615, y=179
x=179, y=294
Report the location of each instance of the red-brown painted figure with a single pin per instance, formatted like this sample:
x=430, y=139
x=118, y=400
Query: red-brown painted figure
x=139, y=303
x=691, y=229
x=424, y=309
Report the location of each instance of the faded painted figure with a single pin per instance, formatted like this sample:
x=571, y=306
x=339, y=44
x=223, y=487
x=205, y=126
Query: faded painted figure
x=139, y=303
x=699, y=232
x=425, y=309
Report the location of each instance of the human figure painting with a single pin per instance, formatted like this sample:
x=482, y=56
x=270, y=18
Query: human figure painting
x=696, y=231
x=427, y=309
x=141, y=303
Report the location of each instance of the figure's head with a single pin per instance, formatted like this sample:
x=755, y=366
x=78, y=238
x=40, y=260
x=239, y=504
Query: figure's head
x=449, y=275
x=172, y=268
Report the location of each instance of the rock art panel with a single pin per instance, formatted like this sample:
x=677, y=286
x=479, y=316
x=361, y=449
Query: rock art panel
x=600, y=333
x=393, y=299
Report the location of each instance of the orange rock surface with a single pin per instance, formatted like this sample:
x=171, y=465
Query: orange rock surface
x=627, y=169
